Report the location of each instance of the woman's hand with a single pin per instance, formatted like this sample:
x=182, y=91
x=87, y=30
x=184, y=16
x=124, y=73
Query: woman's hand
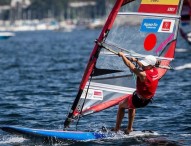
x=133, y=59
x=158, y=63
x=121, y=54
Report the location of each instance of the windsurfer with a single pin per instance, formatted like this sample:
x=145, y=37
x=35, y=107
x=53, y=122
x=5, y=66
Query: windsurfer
x=146, y=85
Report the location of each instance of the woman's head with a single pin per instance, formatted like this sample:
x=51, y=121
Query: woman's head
x=149, y=60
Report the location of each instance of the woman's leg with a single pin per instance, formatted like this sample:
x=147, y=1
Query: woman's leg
x=120, y=114
x=131, y=115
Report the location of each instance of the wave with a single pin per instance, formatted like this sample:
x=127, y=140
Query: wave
x=181, y=50
x=185, y=66
x=8, y=140
x=186, y=135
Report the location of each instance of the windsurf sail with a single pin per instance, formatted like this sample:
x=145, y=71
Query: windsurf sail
x=150, y=28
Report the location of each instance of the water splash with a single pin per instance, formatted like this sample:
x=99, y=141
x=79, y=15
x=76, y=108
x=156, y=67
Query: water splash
x=182, y=67
x=181, y=50
x=11, y=139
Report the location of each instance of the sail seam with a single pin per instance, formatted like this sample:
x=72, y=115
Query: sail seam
x=150, y=14
x=113, y=88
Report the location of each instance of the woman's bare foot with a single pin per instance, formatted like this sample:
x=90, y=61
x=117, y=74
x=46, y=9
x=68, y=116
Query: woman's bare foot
x=127, y=131
x=114, y=129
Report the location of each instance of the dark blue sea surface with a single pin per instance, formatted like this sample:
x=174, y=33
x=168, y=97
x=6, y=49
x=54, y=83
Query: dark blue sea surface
x=40, y=74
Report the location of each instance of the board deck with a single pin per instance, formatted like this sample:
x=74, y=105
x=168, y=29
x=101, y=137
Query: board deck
x=60, y=135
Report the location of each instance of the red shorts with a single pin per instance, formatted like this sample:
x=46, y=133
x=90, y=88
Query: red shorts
x=129, y=102
x=133, y=101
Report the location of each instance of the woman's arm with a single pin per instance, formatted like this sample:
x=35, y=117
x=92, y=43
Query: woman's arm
x=132, y=67
x=137, y=61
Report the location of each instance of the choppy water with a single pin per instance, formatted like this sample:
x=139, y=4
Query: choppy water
x=39, y=77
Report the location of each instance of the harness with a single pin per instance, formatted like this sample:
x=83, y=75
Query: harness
x=139, y=101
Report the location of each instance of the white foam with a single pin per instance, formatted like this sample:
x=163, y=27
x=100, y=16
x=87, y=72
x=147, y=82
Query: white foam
x=189, y=34
x=8, y=140
x=186, y=135
x=189, y=39
x=181, y=50
x=140, y=133
x=121, y=135
x=185, y=66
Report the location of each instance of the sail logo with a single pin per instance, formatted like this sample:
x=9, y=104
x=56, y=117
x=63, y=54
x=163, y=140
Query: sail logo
x=166, y=26
x=150, y=25
x=157, y=25
x=92, y=94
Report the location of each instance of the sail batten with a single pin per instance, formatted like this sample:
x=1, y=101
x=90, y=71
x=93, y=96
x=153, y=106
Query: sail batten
x=150, y=14
x=107, y=87
x=140, y=56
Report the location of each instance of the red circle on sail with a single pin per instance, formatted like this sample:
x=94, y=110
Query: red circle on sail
x=150, y=42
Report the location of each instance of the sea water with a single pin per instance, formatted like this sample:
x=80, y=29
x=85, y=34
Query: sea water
x=40, y=74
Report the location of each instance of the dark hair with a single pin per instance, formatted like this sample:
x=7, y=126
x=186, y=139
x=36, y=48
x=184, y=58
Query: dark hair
x=158, y=63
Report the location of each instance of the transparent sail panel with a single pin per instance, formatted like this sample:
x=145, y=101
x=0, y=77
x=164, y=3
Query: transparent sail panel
x=142, y=35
